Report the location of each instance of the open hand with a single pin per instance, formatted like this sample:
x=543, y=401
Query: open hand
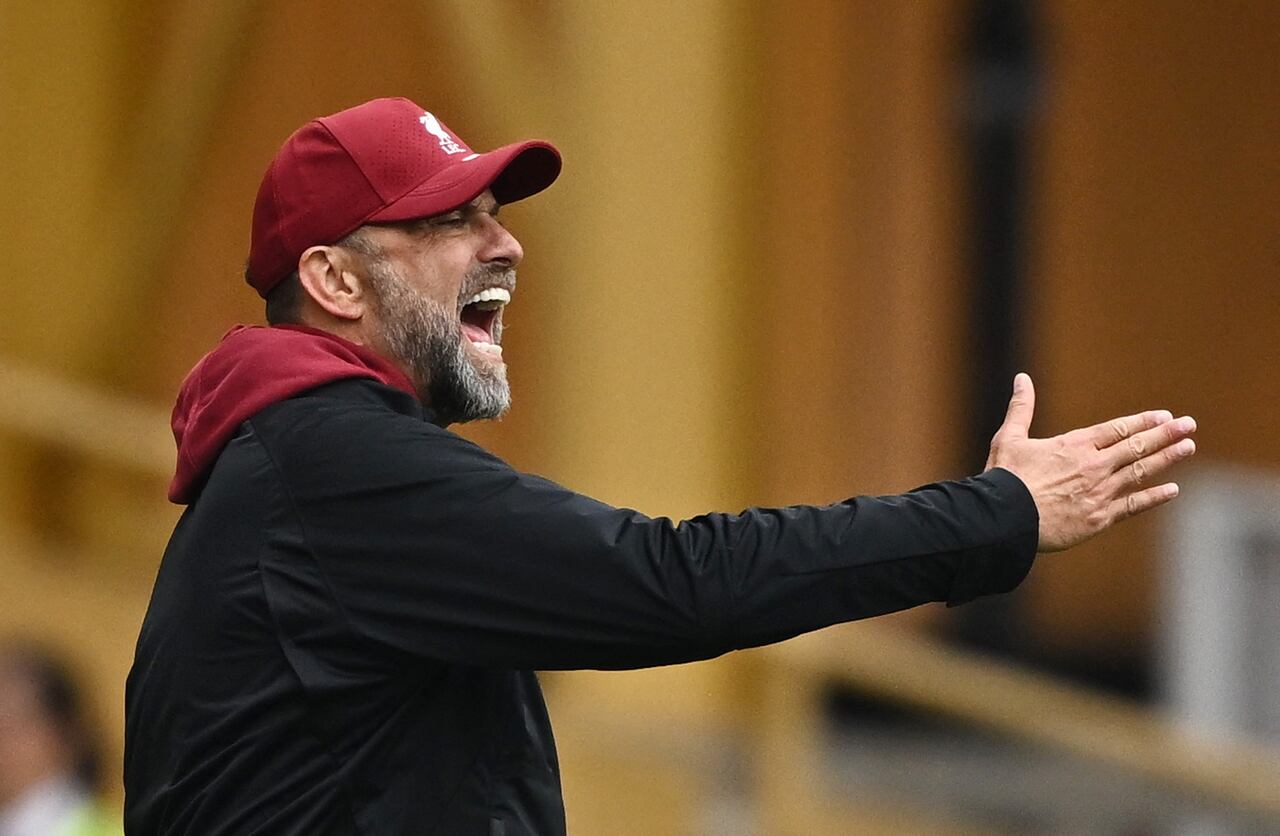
x=1085, y=480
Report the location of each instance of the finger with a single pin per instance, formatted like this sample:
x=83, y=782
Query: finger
x=1022, y=405
x=1148, y=442
x=1118, y=429
x=1137, y=502
x=1143, y=471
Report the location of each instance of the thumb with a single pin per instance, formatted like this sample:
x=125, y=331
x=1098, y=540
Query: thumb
x=1017, y=421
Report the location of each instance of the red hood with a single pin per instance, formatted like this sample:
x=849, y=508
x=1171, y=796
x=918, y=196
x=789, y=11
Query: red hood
x=252, y=368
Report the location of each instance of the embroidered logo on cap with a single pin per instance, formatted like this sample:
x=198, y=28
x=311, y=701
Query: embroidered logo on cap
x=433, y=126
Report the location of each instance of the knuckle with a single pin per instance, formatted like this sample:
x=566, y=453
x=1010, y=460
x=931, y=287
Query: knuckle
x=1120, y=428
x=1139, y=471
x=1131, y=504
x=1137, y=445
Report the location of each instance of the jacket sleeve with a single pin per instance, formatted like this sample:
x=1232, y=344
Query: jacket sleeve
x=432, y=547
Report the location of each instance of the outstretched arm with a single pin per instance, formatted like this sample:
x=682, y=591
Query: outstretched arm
x=424, y=544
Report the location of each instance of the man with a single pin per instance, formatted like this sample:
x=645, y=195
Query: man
x=345, y=624
x=50, y=763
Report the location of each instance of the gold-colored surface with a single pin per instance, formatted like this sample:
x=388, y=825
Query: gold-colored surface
x=748, y=287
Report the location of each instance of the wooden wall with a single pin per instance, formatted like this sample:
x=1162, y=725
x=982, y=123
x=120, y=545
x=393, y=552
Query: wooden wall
x=1157, y=261
x=746, y=288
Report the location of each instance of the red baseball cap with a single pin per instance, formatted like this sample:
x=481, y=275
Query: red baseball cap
x=382, y=161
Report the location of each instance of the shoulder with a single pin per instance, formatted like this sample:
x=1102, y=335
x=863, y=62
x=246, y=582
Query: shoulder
x=346, y=410
x=355, y=430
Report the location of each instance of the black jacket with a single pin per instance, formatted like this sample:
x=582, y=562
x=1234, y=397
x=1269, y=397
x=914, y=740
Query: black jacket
x=344, y=626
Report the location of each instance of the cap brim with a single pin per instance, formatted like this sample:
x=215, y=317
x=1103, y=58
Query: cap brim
x=512, y=172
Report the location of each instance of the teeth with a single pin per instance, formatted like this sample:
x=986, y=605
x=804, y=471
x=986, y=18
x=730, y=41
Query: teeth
x=490, y=294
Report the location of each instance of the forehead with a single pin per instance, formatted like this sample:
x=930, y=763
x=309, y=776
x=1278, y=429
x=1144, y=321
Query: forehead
x=425, y=227
x=483, y=202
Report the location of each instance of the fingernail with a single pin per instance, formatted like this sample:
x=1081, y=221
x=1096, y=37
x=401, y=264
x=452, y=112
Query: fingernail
x=1186, y=447
x=1163, y=415
x=1187, y=424
x=1172, y=490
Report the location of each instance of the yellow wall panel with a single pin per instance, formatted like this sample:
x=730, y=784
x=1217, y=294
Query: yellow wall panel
x=1155, y=281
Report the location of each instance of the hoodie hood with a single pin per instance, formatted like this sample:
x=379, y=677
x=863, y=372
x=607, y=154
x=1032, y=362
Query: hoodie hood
x=250, y=369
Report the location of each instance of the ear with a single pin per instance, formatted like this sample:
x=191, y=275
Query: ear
x=327, y=275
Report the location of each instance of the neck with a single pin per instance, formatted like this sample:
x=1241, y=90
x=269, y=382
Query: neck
x=376, y=347
x=351, y=330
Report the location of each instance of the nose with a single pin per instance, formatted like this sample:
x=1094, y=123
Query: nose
x=500, y=246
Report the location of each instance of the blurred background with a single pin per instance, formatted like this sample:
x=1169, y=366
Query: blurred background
x=798, y=252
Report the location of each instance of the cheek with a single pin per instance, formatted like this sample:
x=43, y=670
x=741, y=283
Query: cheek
x=439, y=274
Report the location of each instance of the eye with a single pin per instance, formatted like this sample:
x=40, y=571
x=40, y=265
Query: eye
x=449, y=219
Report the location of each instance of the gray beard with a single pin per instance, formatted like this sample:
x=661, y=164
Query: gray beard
x=427, y=338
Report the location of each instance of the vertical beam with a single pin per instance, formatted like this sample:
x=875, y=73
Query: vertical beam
x=95, y=182
x=54, y=94
x=514, y=80
x=144, y=201
x=93, y=194
x=861, y=349
x=644, y=413
x=1000, y=102
x=641, y=358
x=1155, y=267
x=640, y=350
x=859, y=216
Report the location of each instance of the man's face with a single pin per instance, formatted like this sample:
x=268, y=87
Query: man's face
x=438, y=286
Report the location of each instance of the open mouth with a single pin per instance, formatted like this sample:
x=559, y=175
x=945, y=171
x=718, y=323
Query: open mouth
x=480, y=316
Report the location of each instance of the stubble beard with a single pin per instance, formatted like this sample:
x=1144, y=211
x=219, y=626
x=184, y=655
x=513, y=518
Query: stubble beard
x=426, y=338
